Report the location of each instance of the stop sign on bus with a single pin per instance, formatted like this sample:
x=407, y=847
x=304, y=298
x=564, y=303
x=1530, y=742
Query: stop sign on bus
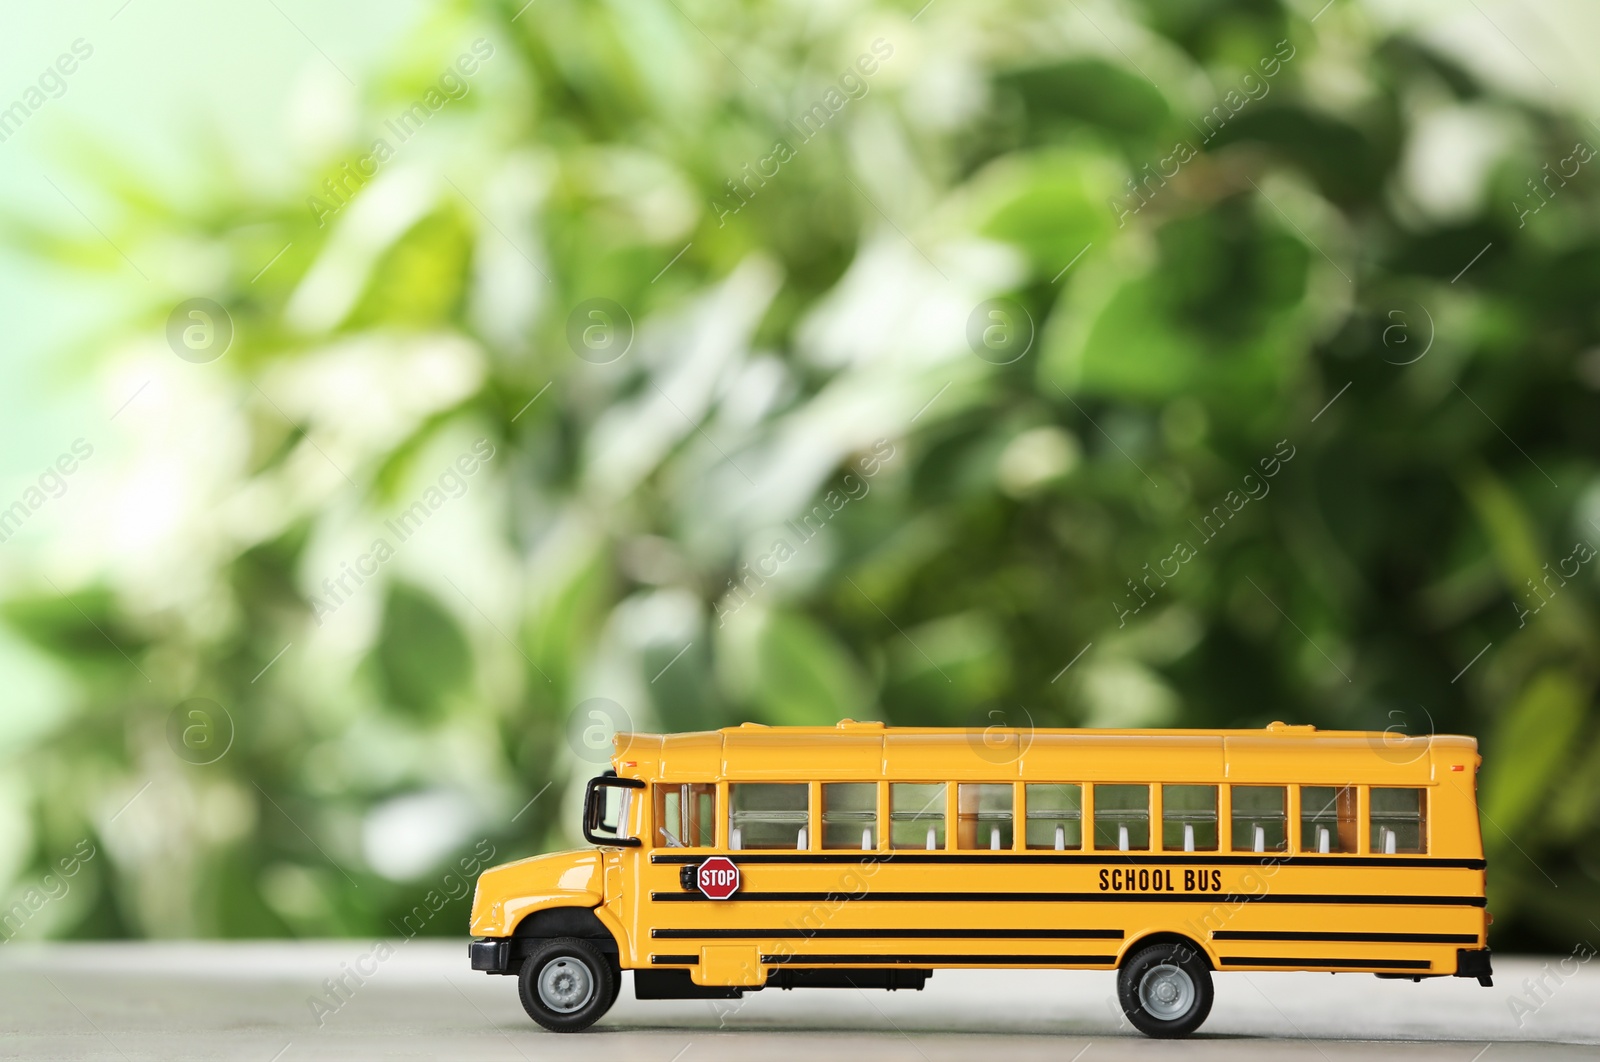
x=718, y=878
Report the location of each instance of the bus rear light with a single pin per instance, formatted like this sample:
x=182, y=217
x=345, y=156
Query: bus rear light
x=1457, y=767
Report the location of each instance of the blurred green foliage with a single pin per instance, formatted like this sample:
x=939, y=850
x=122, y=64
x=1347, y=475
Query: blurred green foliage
x=1305, y=282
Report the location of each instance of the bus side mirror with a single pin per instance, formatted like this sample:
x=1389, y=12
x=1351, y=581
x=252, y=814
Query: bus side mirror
x=594, y=810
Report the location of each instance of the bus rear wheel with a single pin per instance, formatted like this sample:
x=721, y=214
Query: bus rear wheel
x=567, y=984
x=1165, y=990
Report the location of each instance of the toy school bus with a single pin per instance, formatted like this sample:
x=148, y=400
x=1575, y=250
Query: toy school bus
x=870, y=856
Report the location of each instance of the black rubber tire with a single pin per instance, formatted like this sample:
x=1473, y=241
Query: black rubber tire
x=594, y=963
x=1188, y=959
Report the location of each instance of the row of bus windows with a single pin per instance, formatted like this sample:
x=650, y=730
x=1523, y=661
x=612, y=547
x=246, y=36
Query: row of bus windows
x=777, y=815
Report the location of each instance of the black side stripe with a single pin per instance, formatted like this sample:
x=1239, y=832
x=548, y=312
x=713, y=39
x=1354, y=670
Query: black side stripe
x=934, y=960
x=1041, y=960
x=1351, y=938
x=1359, y=964
x=1105, y=858
x=888, y=934
x=1077, y=897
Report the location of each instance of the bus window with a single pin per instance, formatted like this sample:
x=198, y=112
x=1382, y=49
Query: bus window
x=1327, y=818
x=850, y=815
x=1399, y=821
x=686, y=815
x=916, y=815
x=767, y=815
x=985, y=816
x=1260, y=818
x=1189, y=818
x=1122, y=817
x=1055, y=816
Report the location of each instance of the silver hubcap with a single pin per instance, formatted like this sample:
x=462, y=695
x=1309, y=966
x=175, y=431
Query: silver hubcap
x=565, y=985
x=1166, y=992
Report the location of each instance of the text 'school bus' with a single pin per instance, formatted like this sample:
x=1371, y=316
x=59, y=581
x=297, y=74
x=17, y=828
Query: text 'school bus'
x=870, y=856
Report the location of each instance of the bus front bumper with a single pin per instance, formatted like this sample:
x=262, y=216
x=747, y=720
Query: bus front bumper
x=1474, y=962
x=491, y=955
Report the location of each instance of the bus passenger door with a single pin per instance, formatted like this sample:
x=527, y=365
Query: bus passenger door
x=681, y=826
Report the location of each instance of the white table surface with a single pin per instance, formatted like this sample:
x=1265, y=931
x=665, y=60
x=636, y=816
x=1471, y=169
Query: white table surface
x=211, y=1000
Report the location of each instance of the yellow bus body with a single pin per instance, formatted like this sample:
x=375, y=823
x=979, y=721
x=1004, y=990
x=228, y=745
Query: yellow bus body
x=1404, y=914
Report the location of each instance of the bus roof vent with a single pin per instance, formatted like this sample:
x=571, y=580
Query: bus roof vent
x=753, y=726
x=1281, y=727
x=868, y=724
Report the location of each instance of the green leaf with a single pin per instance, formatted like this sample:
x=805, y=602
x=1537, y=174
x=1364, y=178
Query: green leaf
x=1221, y=315
x=1510, y=531
x=1052, y=205
x=81, y=627
x=1091, y=91
x=419, y=281
x=421, y=656
x=1129, y=351
x=805, y=676
x=1531, y=742
x=950, y=667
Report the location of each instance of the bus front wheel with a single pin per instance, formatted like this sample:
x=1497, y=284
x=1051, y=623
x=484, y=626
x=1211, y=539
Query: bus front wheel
x=1165, y=990
x=567, y=984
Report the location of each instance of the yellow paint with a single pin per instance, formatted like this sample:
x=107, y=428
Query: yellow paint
x=729, y=964
x=1234, y=905
x=508, y=893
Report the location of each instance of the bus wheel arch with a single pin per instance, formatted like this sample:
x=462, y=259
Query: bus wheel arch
x=1164, y=985
x=567, y=921
x=1130, y=947
x=551, y=923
